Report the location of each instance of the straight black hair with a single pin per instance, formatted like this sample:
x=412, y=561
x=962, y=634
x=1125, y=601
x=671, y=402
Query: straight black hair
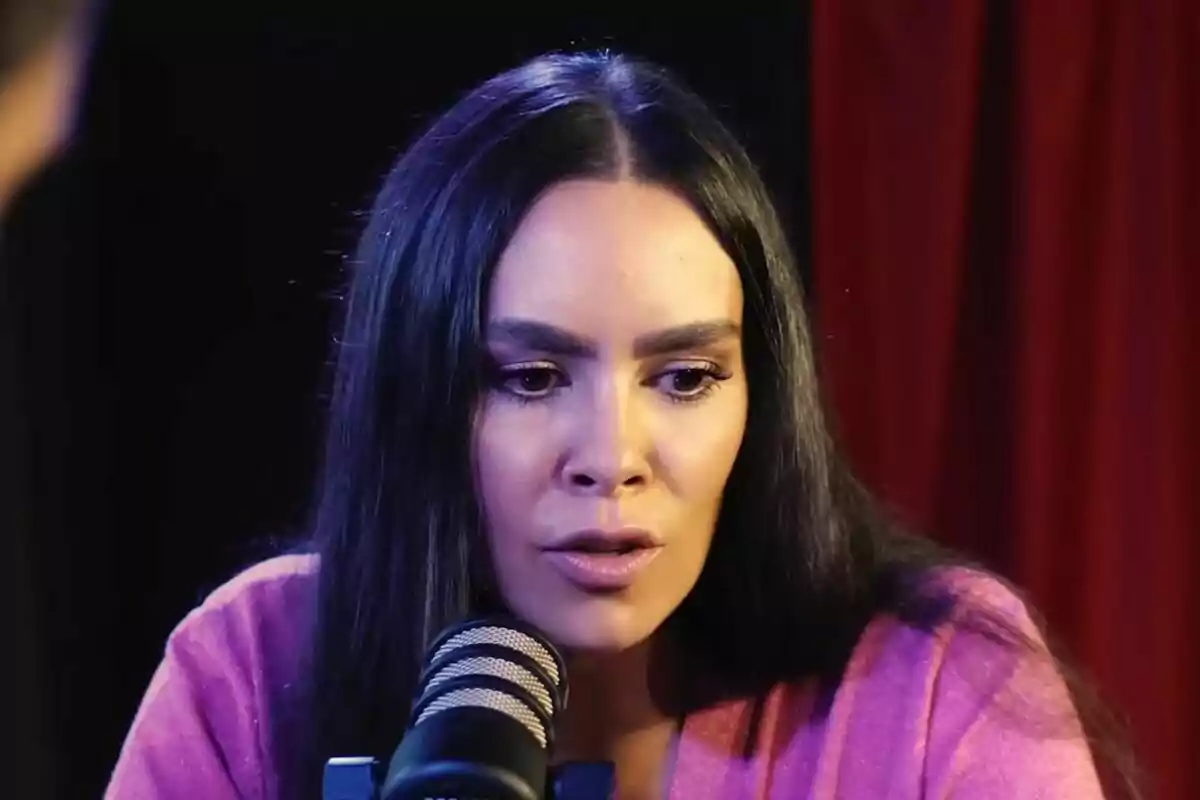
x=801, y=559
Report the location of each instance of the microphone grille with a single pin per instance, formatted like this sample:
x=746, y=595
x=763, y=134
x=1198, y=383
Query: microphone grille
x=503, y=637
x=492, y=664
x=488, y=698
x=498, y=668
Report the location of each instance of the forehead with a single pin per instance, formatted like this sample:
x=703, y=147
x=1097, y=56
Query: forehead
x=594, y=254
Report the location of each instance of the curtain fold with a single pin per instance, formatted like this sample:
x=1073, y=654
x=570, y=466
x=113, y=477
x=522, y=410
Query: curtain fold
x=1006, y=241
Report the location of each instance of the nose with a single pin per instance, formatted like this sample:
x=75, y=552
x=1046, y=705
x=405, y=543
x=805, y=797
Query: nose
x=609, y=455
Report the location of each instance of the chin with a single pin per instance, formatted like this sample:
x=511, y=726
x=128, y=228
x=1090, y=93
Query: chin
x=598, y=624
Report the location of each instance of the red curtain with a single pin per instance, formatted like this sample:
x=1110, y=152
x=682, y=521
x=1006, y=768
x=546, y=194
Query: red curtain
x=1006, y=249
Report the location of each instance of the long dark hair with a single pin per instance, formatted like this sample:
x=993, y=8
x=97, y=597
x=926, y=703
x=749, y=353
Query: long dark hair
x=801, y=560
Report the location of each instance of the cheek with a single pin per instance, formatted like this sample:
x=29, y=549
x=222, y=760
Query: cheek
x=513, y=464
x=699, y=449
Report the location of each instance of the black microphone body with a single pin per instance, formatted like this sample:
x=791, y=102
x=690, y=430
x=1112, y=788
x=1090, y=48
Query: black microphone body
x=482, y=726
x=467, y=752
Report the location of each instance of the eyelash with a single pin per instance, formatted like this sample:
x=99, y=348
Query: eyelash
x=710, y=374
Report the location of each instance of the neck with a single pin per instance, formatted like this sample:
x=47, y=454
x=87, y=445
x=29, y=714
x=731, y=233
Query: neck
x=613, y=715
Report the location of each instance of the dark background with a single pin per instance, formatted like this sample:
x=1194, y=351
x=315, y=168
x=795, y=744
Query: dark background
x=180, y=270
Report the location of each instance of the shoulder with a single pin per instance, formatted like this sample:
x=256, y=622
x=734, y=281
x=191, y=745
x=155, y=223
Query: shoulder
x=952, y=611
x=977, y=594
x=991, y=646
x=252, y=625
x=261, y=582
x=967, y=703
x=255, y=626
x=985, y=650
x=229, y=670
x=978, y=693
x=272, y=593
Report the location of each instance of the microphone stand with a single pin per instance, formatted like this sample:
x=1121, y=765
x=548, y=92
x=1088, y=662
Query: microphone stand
x=357, y=778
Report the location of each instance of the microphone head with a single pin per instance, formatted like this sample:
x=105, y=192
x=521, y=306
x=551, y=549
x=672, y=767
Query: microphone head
x=482, y=726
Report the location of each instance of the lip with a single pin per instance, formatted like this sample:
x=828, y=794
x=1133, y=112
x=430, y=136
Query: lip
x=603, y=560
x=598, y=572
x=598, y=539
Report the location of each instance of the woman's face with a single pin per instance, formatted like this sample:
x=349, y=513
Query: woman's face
x=616, y=407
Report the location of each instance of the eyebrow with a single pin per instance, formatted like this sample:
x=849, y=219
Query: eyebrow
x=551, y=339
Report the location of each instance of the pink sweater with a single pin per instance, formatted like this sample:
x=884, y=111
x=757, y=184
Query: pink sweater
x=946, y=714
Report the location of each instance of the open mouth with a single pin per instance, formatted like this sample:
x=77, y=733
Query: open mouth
x=604, y=548
x=595, y=542
x=603, y=562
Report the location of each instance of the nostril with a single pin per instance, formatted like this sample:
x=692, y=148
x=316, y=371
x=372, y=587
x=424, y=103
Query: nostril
x=586, y=481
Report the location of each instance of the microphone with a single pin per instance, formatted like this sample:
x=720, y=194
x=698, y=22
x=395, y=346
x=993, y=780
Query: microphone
x=482, y=726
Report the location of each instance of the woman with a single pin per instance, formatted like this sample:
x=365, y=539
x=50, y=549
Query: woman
x=575, y=325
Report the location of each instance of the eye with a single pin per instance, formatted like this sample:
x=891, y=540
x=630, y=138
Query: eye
x=532, y=381
x=691, y=383
x=688, y=381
